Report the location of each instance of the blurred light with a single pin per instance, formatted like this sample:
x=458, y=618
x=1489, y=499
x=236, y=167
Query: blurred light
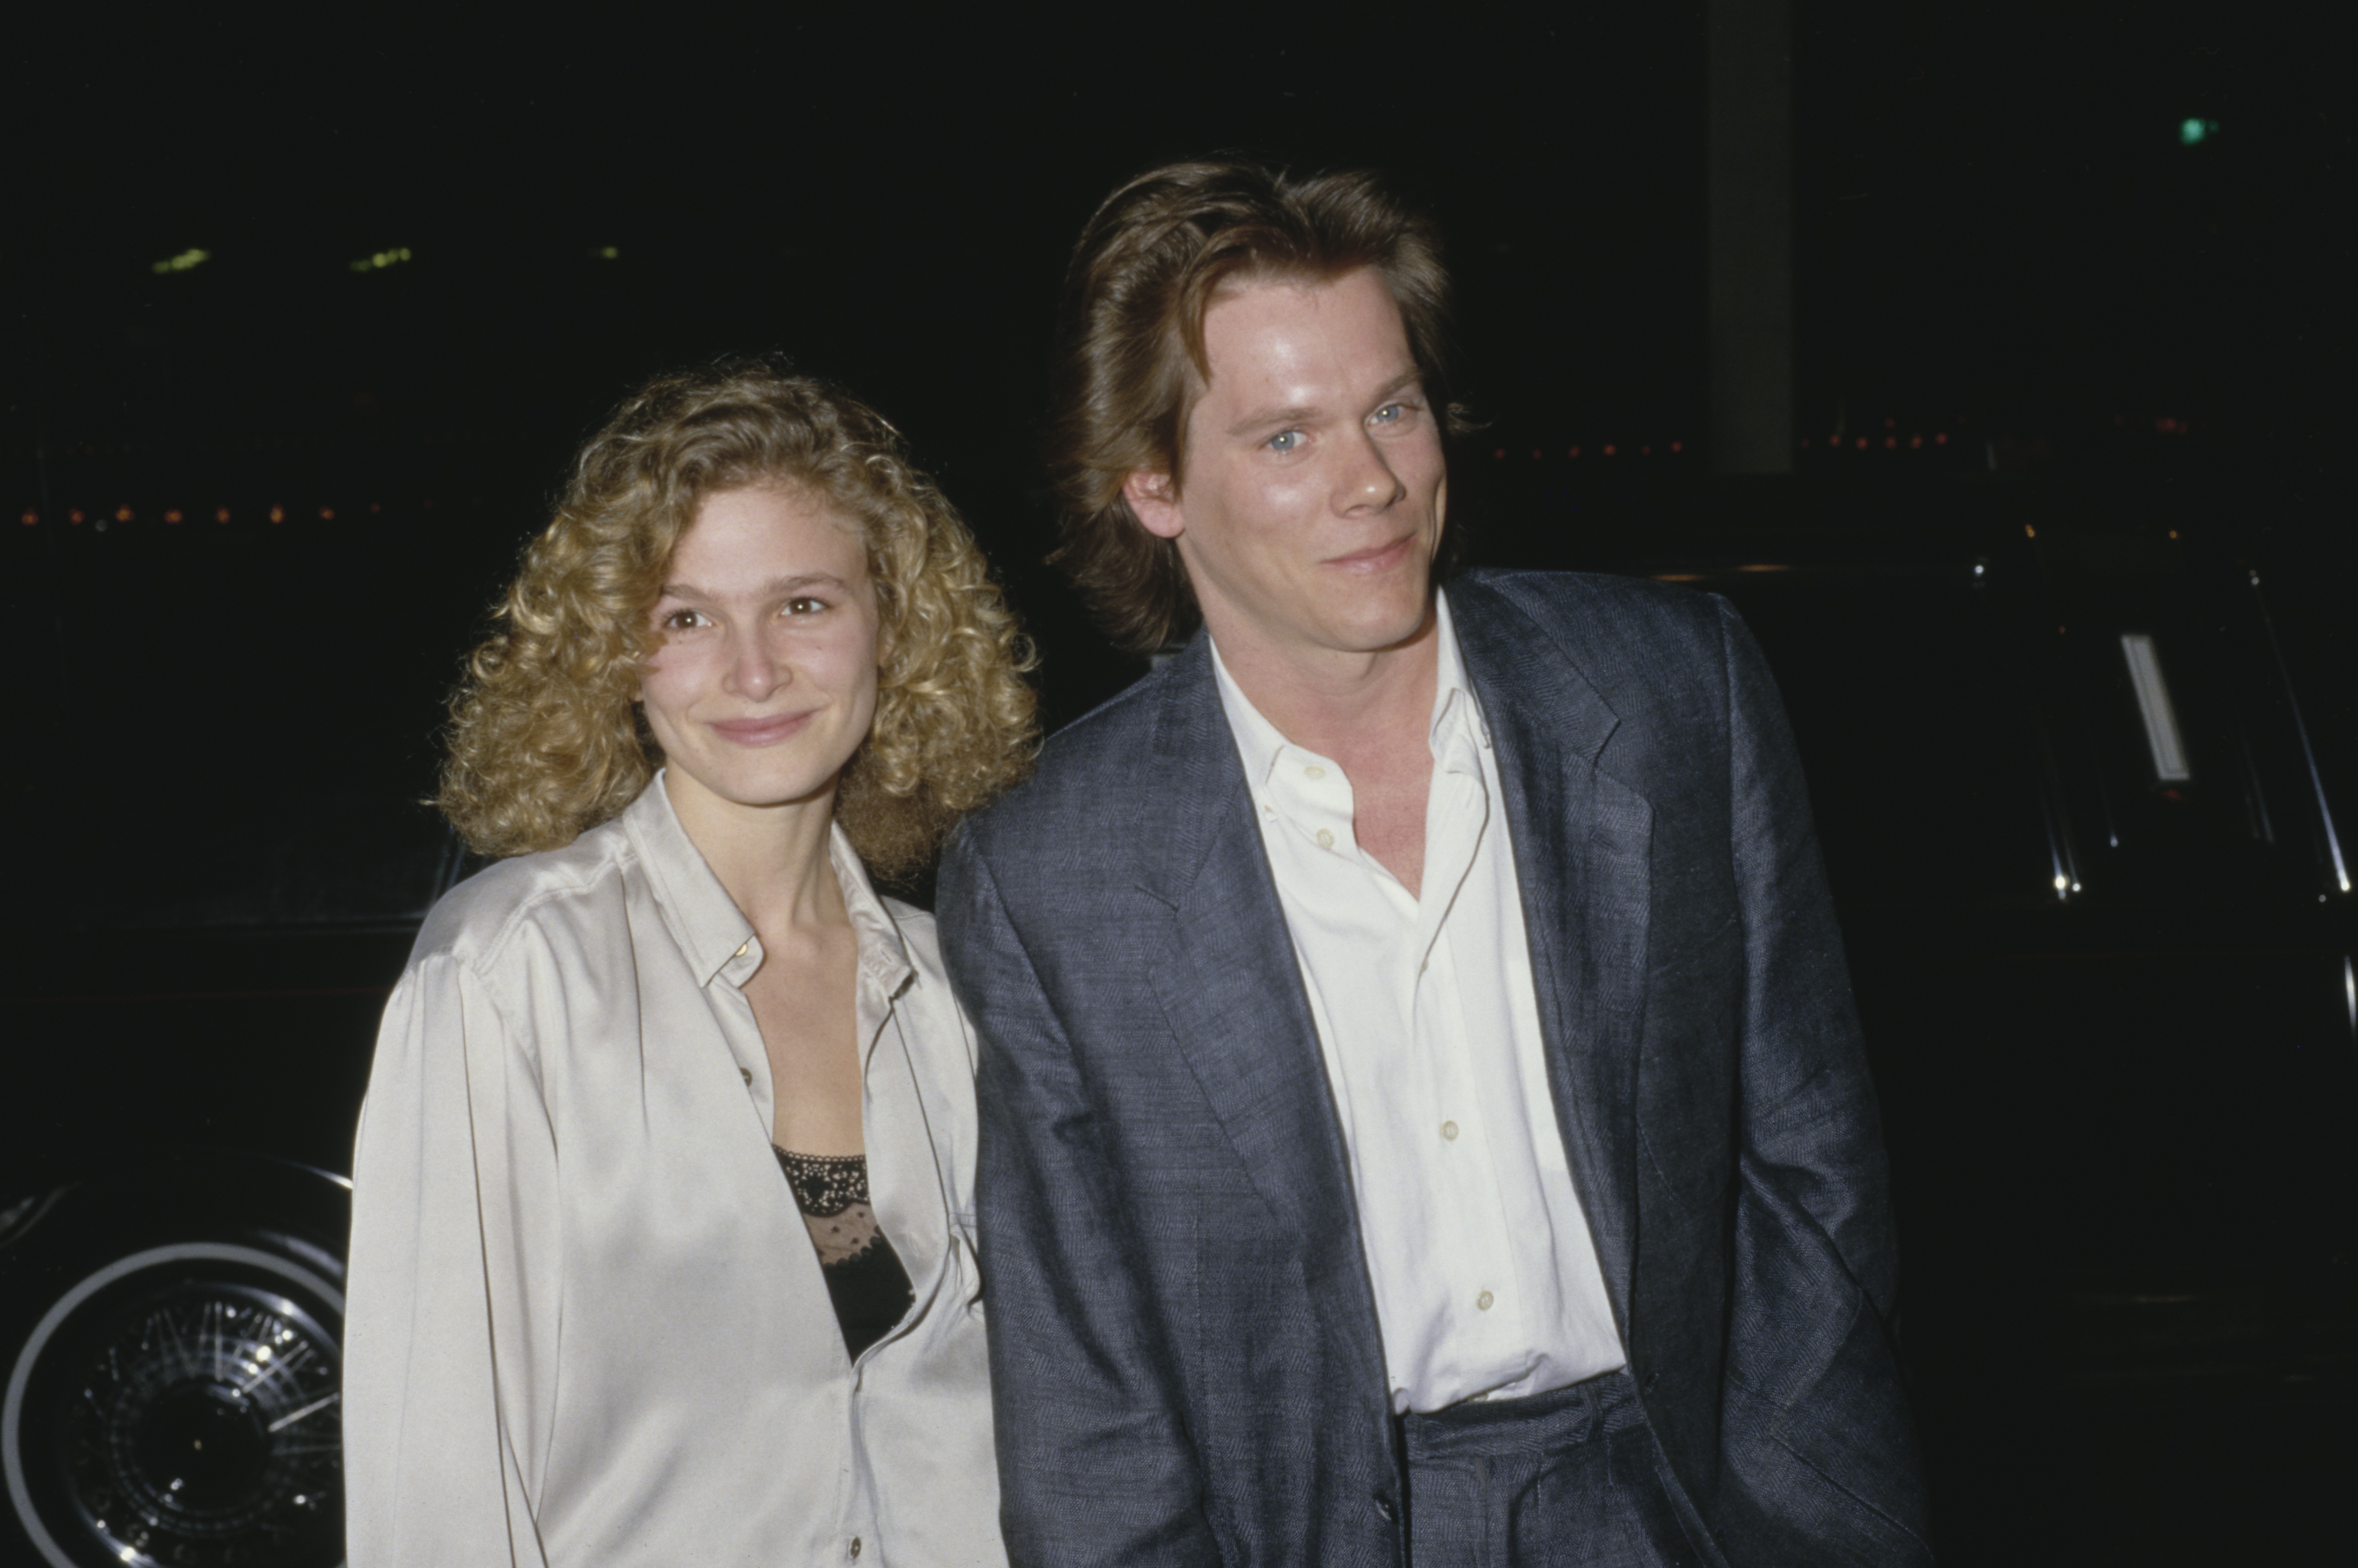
x=1942, y=439
x=1914, y=442
x=1645, y=452
x=1535, y=454
x=1888, y=424
x=382, y=260
x=1678, y=577
x=123, y=514
x=173, y=516
x=607, y=252
x=220, y=514
x=1681, y=446
x=1805, y=443
x=1499, y=453
x=1608, y=449
x=1573, y=454
x=1862, y=443
x=2028, y=531
x=75, y=517
x=1890, y=443
x=327, y=514
x=1765, y=566
x=2173, y=533
x=2193, y=133
x=278, y=514
x=374, y=508
x=182, y=262
x=31, y=519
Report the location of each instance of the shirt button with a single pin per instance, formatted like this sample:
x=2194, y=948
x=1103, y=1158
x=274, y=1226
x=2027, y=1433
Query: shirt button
x=1482, y=1302
x=1314, y=771
x=1326, y=838
x=855, y=1548
x=747, y=1074
x=1449, y=1131
x=745, y=949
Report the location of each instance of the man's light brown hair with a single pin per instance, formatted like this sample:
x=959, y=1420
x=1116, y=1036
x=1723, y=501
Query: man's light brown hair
x=1130, y=363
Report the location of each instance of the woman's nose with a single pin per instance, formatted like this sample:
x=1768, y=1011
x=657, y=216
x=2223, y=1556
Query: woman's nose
x=754, y=668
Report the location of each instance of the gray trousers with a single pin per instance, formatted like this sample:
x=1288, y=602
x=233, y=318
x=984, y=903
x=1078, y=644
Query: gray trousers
x=1569, y=1478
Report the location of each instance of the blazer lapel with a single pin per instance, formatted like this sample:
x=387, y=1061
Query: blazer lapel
x=1230, y=987
x=1581, y=841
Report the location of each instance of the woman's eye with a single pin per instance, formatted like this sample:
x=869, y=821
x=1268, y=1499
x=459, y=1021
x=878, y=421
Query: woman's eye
x=681, y=620
x=805, y=606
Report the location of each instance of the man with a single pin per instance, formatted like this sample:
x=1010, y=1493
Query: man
x=1423, y=1113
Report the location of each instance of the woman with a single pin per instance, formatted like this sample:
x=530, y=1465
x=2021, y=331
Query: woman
x=663, y=1218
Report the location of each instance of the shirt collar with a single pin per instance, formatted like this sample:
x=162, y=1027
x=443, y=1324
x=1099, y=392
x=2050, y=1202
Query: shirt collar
x=1260, y=744
x=714, y=934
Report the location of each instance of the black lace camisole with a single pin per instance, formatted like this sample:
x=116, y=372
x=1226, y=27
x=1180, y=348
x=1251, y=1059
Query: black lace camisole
x=864, y=1276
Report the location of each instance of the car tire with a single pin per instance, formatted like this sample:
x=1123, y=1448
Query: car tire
x=173, y=1391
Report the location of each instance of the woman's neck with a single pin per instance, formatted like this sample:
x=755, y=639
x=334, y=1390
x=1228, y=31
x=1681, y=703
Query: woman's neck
x=773, y=860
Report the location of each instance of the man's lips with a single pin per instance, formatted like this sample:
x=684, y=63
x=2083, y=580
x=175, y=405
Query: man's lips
x=764, y=732
x=1376, y=557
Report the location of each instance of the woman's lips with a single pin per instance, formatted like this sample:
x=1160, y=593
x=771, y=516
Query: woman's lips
x=767, y=731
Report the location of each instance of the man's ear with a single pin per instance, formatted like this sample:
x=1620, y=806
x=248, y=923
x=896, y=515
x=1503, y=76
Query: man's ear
x=1155, y=500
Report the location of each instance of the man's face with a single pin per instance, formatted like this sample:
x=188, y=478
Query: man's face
x=1309, y=499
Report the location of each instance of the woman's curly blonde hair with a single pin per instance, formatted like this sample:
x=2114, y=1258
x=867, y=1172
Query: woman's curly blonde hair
x=544, y=739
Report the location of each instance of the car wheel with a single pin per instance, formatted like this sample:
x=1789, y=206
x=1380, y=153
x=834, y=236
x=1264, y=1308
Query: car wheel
x=180, y=1404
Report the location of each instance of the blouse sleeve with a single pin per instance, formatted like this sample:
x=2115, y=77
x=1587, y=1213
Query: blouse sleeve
x=451, y=1332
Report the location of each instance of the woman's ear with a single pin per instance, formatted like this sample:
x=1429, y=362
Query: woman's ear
x=1154, y=501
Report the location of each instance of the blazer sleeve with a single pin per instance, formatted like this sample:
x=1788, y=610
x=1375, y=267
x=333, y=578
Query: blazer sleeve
x=1094, y=1463
x=1818, y=1454
x=453, y=1262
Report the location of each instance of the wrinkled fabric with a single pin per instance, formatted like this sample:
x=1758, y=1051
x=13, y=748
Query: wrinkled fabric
x=587, y=1322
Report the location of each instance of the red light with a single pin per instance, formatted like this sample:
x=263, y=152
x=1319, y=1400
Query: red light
x=1535, y=454
x=278, y=514
x=327, y=514
x=32, y=520
x=1914, y=442
x=123, y=514
x=1942, y=439
x=374, y=508
x=1681, y=446
x=1499, y=453
x=1887, y=423
x=1645, y=452
x=220, y=514
x=74, y=518
x=1862, y=443
x=1608, y=451
x=1573, y=454
x=1890, y=442
x=173, y=516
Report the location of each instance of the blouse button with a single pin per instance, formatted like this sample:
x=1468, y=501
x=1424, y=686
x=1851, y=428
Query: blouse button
x=1449, y=1131
x=1482, y=1302
x=746, y=1074
x=1326, y=838
x=855, y=1549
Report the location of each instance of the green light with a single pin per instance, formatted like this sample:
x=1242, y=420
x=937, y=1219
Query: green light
x=182, y=262
x=607, y=252
x=2190, y=132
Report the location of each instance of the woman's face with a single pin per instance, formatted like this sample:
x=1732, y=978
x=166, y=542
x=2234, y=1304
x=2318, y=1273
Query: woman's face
x=765, y=681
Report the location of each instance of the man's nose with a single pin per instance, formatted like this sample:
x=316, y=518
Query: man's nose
x=1368, y=479
x=755, y=668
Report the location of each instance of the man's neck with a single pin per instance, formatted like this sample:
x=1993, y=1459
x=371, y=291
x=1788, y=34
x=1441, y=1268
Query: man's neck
x=1340, y=704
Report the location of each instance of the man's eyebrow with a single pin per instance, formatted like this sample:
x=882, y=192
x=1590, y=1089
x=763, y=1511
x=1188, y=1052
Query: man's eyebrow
x=1264, y=418
x=775, y=586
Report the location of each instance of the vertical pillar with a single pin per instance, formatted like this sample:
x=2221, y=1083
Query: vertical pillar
x=1750, y=85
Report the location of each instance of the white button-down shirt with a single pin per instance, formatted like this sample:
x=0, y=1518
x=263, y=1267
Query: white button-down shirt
x=588, y=1325
x=1485, y=1278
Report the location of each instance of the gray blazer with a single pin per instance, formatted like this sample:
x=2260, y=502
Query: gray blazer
x=1185, y=1354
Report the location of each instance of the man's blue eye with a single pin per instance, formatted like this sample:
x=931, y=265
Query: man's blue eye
x=1285, y=440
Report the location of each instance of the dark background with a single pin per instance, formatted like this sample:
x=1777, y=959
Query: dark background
x=2004, y=245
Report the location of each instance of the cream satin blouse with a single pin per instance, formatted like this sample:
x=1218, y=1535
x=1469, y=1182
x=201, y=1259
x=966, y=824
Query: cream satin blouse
x=587, y=1322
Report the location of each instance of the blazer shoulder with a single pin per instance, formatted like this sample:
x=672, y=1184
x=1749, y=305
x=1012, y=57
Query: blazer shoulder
x=1088, y=771
x=1621, y=633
